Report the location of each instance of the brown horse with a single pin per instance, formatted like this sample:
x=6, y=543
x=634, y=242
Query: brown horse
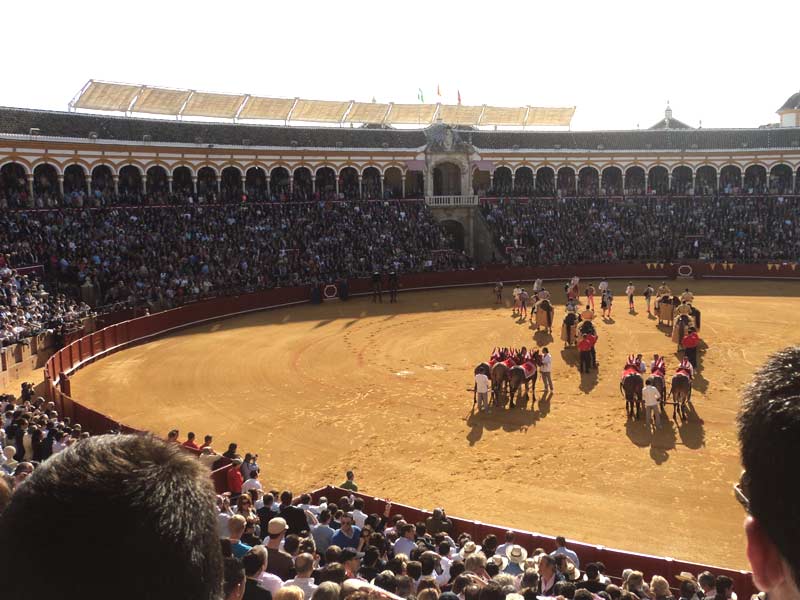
x=631, y=387
x=681, y=392
x=661, y=386
x=499, y=377
x=523, y=374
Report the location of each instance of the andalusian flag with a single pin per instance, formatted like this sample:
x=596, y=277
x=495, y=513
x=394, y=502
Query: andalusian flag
x=420, y=97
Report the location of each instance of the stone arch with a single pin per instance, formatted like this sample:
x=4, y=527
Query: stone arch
x=45, y=179
x=501, y=181
x=524, y=181
x=157, y=179
x=635, y=182
x=102, y=178
x=682, y=180
x=182, y=179
x=302, y=182
x=75, y=180
x=588, y=181
x=393, y=181
x=481, y=181
x=567, y=181
x=705, y=180
x=446, y=179
x=255, y=182
x=730, y=179
x=658, y=179
x=755, y=179
x=280, y=180
x=13, y=180
x=129, y=179
x=371, y=182
x=415, y=184
x=780, y=179
x=207, y=180
x=611, y=181
x=455, y=230
x=545, y=181
x=185, y=165
x=348, y=182
x=231, y=183
x=326, y=181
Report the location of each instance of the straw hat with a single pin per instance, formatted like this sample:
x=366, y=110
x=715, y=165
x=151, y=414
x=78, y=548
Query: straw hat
x=516, y=554
x=685, y=576
x=469, y=548
x=572, y=572
x=500, y=561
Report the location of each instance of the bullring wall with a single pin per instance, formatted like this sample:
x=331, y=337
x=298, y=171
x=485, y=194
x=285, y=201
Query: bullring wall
x=98, y=344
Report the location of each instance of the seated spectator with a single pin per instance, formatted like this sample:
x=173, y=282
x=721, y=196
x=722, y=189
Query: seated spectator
x=169, y=530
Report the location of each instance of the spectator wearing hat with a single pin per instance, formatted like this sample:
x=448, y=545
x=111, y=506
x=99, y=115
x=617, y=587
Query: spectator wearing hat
x=279, y=563
x=304, y=579
x=351, y=561
x=516, y=555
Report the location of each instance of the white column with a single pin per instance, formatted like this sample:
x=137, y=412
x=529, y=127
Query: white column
x=30, y=184
x=794, y=178
x=383, y=180
x=669, y=182
x=194, y=184
x=313, y=184
x=61, y=184
x=336, y=181
x=115, y=179
x=169, y=183
x=144, y=183
x=692, y=182
x=403, y=185
x=534, y=183
x=491, y=180
x=269, y=192
x=360, y=187
x=219, y=184
x=244, y=186
x=513, y=177
x=768, y=179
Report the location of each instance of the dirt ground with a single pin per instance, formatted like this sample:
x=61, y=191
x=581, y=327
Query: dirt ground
x=316, y=390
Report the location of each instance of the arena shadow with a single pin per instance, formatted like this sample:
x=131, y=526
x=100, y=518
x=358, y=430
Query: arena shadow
x=589, y=380
x=661, y=441
x=542, y=337
x=692, y=431
x=520, y=418
x=570, y=356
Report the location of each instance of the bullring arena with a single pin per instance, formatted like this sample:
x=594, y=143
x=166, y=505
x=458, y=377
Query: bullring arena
x=394, y=405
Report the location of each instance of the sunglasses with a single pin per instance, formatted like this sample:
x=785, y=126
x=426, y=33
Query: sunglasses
x=741, y=491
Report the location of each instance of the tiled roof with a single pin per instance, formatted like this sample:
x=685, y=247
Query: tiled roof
x=793, y=103
x=79, y=125
x=670, y=123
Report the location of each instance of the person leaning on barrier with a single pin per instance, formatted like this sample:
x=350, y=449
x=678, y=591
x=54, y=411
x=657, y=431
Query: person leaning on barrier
x=132, y=518
x=769, y=436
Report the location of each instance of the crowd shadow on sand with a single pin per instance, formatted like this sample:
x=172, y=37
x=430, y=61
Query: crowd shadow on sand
x=527, y=411
x=690, y=432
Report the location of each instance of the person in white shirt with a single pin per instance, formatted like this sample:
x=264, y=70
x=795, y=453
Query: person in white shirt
x=651, y=397
x=515, y=294
x=545, y=370
x=253, y=483
x=602, y=286
x=359, y=516
x=405, y=543
x=629, y=292
x=304, y=566
x=537, y=286
x=482, y=391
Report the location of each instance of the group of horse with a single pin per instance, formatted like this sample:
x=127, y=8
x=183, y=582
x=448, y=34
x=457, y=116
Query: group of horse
x=680, y=393
x=670, y=312
x=509, y=370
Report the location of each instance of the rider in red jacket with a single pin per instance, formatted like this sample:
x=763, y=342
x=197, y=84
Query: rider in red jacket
x=690, y=343
x=585, y=345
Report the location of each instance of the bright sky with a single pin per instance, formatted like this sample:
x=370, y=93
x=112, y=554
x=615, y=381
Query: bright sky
x=619, y=62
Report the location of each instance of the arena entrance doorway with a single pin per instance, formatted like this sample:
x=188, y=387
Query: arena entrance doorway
x=446, y=180
x=455, y=230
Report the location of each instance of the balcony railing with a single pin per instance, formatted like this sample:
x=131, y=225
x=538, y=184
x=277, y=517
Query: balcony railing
x=452, y=200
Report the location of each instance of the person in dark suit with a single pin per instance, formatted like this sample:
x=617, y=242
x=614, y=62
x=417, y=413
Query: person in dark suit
x=294, y=516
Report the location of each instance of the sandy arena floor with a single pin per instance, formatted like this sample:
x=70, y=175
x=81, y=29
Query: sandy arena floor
x=382, y=389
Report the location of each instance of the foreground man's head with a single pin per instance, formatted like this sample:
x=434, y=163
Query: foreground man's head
x=769, y=433
x=113, y=517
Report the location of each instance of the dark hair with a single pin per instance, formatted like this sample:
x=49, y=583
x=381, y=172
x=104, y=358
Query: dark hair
x=358, y=503
x=688, y=588
x=233, y=574
x=414, y=569
x=492, y=591
x=769, y=434
x=472, y=592
x=169, y=531
x=333, y=572
x=386, y=581
x=564, y=588
x=291, y=543
x=252, y=562
x=582, y=594
x=707, y=579
x=325, y=516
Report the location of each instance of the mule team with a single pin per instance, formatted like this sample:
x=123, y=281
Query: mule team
x=509, y=369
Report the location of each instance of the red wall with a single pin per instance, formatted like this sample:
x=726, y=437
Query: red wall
x=120, y=334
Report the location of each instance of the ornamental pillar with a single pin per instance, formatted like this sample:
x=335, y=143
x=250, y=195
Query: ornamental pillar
x=29, y=176
x=61, y=185
x=269, y=192
x=115, y=180
x=403, y=185
x=383, y=180
x=534, y=183
x=169, y=183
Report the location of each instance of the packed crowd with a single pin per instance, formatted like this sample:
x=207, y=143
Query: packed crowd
x=165, y=255
x=591, y=230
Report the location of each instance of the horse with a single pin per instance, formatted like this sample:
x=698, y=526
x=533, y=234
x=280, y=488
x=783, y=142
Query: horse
x=631, y=386
x=569, y=329
x=544, y=315
x=666, y=310
x=696, y=317
x=499, y=377
x=680, y=328
x=525, y=373
x=681, y=392
x=661, y=386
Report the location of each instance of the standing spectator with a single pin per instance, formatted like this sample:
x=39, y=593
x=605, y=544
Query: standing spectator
x=348, y=534
x=769, y=436
x=350, y=483
x=707, y=582
x=359, y=516
x=561, y=548
x=252, y=483
x=295, y=517
x=236, y=527
x=234, y=579
x=254, y=565
x=169, y=530
x=304, y=579
x=405, y=543
x=322, y=532
x=234, y=477
x=279, y=563
x=207, y=440
x=482, y=390
x=545, y=370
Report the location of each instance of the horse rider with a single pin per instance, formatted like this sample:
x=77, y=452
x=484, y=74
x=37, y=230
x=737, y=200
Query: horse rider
x=687, y=296
x=690, y=343
x=658, y=367
x=663, y=290
x=685, y=368
x=570, y=320
x=683, y=309
x=544, y=304
x=639, y=362
x=630, y=366
x=572, y=304
x=544, y=294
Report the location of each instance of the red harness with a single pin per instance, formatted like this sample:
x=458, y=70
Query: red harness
x=629, y=370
